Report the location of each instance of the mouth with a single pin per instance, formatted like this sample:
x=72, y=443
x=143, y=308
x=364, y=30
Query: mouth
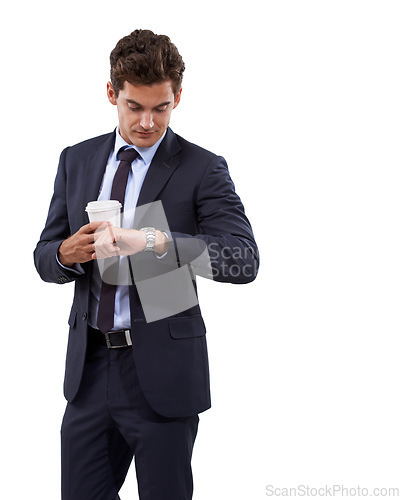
x=144, y=134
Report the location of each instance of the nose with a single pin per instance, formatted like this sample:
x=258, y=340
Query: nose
x=146, y=121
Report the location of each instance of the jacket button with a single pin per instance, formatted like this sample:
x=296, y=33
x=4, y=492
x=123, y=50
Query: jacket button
x=84, y=316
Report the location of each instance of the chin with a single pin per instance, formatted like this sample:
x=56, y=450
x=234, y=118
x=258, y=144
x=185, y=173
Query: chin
x=146, y=142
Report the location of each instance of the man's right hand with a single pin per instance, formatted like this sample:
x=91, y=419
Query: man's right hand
x=79, y=247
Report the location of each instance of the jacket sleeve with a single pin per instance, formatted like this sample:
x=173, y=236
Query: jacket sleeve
x=224, y=248
x=54, y=233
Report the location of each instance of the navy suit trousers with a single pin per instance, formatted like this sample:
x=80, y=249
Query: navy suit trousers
x=109, y=423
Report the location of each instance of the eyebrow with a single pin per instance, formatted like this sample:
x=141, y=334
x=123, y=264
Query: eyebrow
x=131, y=101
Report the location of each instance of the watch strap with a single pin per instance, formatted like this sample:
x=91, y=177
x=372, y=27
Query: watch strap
x=150, y=238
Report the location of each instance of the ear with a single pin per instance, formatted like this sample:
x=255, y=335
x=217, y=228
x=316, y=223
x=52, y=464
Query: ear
x=177, y=98
x=111, y=94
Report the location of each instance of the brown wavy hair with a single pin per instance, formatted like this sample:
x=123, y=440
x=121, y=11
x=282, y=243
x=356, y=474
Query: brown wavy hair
x=143, y=58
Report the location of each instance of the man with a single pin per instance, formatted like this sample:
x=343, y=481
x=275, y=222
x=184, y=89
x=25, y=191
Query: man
x=136, y=368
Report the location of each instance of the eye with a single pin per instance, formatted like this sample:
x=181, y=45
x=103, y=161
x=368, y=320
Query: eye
x=132, y=106
x=161, y=110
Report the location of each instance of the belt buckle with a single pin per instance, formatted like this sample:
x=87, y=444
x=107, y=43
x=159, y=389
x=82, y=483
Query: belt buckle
x=127, y=337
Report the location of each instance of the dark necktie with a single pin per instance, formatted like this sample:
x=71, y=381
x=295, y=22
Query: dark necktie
x=105, y=316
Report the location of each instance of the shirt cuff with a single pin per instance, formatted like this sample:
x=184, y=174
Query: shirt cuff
x=159, y=257
x=76, y=269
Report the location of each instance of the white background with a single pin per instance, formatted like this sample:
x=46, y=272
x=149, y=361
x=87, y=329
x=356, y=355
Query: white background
x=302, y=99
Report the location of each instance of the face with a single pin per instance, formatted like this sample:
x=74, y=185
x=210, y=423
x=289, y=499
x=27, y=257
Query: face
x=144, y=111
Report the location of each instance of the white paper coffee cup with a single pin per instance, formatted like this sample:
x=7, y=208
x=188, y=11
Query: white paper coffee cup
x=105, y=210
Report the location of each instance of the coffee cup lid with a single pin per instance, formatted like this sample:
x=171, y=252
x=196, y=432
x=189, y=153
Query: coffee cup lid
x=101, y=206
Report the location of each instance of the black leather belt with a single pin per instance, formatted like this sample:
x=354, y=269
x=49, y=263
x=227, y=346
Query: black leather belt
x=113, y=340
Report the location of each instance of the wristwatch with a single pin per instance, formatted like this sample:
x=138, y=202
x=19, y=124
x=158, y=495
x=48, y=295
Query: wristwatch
x=150, y=238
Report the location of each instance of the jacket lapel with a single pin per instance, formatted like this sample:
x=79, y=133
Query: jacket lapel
x=162, y=167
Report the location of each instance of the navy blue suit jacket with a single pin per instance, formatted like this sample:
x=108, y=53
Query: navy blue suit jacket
x=202, y=210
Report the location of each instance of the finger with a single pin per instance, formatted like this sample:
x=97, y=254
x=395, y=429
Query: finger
x=103, y=226
x=104, y=249
x=101, y=254
x=95, y=237
x=108, y=236
x=94, y=226
x=90, y=238
x=102, y=235
x=111, y=250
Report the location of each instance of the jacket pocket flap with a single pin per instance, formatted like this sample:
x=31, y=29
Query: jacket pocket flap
x=187, y=327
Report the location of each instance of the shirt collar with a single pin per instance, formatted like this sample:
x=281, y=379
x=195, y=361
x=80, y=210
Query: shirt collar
x=146, y=153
